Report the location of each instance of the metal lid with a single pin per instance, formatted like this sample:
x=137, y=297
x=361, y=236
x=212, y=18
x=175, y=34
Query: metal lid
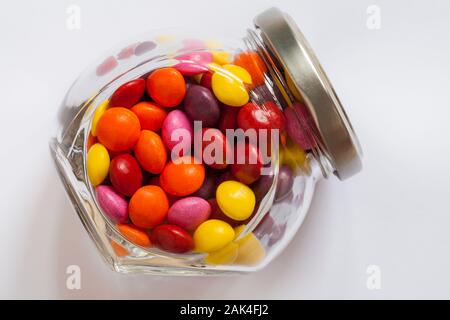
x=284, y=40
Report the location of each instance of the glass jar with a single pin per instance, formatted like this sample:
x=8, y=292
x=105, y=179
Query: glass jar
x=316, y=140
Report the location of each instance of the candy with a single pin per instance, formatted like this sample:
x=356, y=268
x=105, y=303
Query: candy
x=128, y=94
x=205, y=80
x=119, y=250
x=188, y=213
x=247, y=163
x=166, y=86
x=208, y=188
x=201, y=105
x=183, y=177
x=172, y=238
x=293, y=156
x=134, y=235
x=212, y=235
x=125, y=174
x=262, y=186
x=112, y=203
x=118, y=129
x=199, y=57
x=251, y=62
x=221, y=57
x=190, y=68
x=226, y=255
x=267, y=116
x=239, y=72
x=235, y=199
x=150, y=115
x=177, y=131
x=97, y=164
x=215, y=147
x=250, y=250
x=228, y=118
x=97, y=115
x=297, y=126
x=148, y=207
x=285, y=182
x=229, y=89
x=150, y=152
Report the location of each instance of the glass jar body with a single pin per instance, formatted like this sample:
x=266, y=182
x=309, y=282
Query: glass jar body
x=279, y=211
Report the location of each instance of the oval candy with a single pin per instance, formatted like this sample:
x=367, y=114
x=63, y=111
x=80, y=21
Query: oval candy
x=235, y=199
x=112, y=203
x=188, y=213
x=97, y=164
x=172, y=238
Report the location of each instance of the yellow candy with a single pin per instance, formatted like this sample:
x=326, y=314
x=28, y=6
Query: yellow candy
x=250, y=251
x=229, y=90
x=221, y=57
x=292, y=88
x=97, y=164
x=293, y=156
x=97, y=115
x=235, y=199
x=239, y=72
x=212, y=235
x=226, y=255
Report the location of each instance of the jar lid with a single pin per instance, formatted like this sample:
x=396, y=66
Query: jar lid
x=284, y=40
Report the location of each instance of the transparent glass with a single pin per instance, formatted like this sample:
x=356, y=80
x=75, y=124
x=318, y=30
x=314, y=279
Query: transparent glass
x=275, y=220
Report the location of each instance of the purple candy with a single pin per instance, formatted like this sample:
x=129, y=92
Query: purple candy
x=285, y=182
x=112, y=203
x=188, y=213
x=201, y=105
x=208, y=187
x=296, y=128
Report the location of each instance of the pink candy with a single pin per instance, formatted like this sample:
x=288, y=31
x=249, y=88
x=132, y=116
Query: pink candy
x=112, y=203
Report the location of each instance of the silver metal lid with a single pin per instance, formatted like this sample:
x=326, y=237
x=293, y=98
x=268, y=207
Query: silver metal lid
x=284, y=40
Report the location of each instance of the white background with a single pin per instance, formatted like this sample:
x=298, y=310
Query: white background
x=394, y=83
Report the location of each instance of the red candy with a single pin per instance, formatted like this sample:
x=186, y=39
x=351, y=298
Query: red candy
x=166, y=86
x=150, y=115
x=125, y=174
x=212, y=137
x=228, y=118
x=247, y=167
x=268, y=116
x=172, y=238
x=128, y=94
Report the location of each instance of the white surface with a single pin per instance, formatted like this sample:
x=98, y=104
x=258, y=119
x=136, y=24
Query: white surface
x=393, y=81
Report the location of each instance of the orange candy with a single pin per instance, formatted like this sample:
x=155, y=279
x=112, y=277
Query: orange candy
x=150, y=152
x=251, y=61
x=166, y=86
x=148, y=206
x=182, y=178
x=118, y=129
x=150, y=115
x=134, y=234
